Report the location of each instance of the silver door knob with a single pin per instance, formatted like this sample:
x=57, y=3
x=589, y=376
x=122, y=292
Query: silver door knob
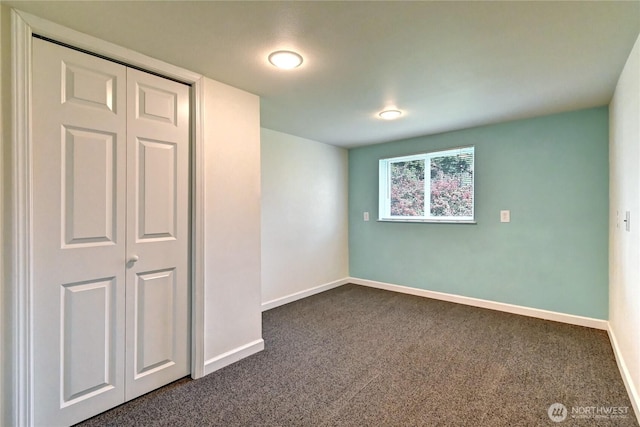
x=133, y=259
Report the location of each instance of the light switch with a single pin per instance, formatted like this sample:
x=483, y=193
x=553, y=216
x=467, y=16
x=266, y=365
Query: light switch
x=505, y=216
x=366, y=216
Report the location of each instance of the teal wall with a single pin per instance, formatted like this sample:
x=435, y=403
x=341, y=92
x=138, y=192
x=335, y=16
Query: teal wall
x=551, y=172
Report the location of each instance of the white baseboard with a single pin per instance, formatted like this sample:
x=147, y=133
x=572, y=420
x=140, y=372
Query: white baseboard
x=268, y=305
x=632, y=391
x=233, y=356
x=493, y=305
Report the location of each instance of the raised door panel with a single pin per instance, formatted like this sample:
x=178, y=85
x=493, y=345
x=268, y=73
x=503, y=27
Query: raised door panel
x=156, y=103
x=89, y=187
x=155, y=312
x=89, y=87
x=88, y=339
x=157, y=201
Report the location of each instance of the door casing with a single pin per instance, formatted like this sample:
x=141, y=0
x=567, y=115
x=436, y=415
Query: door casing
x=24, y=25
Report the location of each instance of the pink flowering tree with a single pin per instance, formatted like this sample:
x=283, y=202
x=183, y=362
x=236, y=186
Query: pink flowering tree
x=452, y=186
x=407, y=188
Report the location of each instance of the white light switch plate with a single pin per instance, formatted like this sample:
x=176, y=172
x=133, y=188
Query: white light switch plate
x=627, y=221
x=505, y=216
x=366, y=216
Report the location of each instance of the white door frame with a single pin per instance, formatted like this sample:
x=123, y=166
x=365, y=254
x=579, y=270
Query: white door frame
x=23, y=26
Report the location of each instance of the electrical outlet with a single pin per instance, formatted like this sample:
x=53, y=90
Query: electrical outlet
x=366, y=216
x=505, y=216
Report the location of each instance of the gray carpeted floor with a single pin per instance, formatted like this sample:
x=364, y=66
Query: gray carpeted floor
x=356, y=356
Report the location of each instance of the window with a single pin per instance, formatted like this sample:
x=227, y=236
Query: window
x=428, y=187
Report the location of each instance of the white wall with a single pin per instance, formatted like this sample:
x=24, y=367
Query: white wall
x=624, y=246
x=304, y=217
x=233, y=321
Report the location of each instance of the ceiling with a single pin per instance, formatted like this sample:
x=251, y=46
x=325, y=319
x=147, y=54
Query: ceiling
x=448, y=65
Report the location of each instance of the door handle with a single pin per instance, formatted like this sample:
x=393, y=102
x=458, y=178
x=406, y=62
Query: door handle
x=133, y=259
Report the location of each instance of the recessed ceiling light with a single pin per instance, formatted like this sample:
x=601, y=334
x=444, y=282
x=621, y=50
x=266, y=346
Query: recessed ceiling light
x=285, y=59
x=390, y=114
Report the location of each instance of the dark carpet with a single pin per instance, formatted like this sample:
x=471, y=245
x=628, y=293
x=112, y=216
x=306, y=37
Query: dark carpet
x=356, y=356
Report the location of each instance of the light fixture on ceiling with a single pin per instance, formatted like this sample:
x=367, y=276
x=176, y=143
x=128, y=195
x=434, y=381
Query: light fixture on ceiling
x=390, y=114
x=285, y=59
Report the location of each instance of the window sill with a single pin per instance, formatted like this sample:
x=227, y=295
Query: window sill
x=431, y=221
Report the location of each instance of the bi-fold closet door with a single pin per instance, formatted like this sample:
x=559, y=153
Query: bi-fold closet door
x=110, y=233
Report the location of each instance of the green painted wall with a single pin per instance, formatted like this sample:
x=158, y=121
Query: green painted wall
x=551, y=172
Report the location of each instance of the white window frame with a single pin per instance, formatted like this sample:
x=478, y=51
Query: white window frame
x=384, y=188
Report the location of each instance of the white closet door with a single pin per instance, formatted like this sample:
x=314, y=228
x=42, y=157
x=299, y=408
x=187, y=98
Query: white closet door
x=79, y=164
x=157, y=232
x=110, y=185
